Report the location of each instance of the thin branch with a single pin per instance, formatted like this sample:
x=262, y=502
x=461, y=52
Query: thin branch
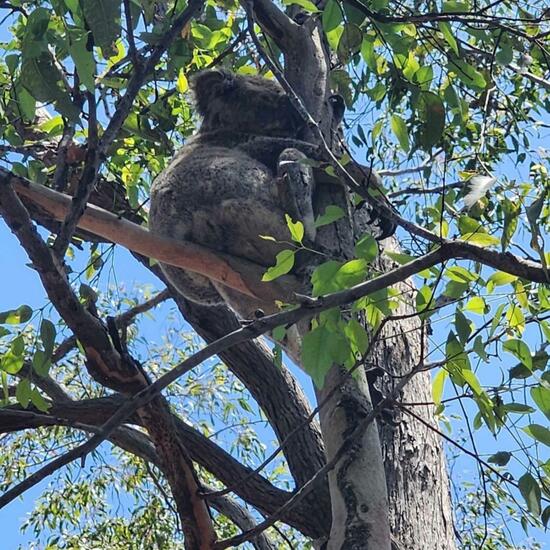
x=85, y=184
x=126, y=318
x=229, y=50
x=404, y=171
x=306, y=420
x=132, y=51
x=426, y=190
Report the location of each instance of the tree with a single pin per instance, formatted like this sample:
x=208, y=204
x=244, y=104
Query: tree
x=94, y=99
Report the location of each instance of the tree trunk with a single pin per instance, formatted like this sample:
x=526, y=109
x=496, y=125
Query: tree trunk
x=393, y=478
x=416, y=472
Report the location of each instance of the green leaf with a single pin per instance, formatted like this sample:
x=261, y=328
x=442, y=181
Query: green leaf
x=468, y=74
x=399, y=257
x=23, y=392
x=438, y=385
x=11, y=363
x=357, y=336
x=12, y=62
x=425, y=302
x=463, y=327
x=496, y=319
x=511, y=217
x=505, y=54
x=16, y=316
x=182, y=84
x=535, y=208
x=432, y=113
x=481, y=239
x=324, y=278
x=332, y=214
x=499, y=279
x=521, y=350
x=515, y=318
x=306, y=4
x=278, y=356
x=447, y=33
x=460, y=274
x=103, y=19
x=26, y=102
x=455, y=290
x=366, y=248
x=284, y=263
x=332, y=16
x=83, y=57
x=296, y=229
x=517, y=408
x=399, y=129
x=44, y=81
x=457, y=359
x=468, y=225
x=351, y=273
x=278, y=333
x=501, y=458
x=47, y=335
x=472, y=381
x=5, y=388
x=530, y=490
x=317, y=354
x=368, y=53
x=541, y=396
x=41, y=362
x=479, y=348
x=477, y=305
x=350, y=41
x=538, y=432
x=36, y=27
x=38, y=401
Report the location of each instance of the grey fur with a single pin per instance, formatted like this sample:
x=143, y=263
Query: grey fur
x=235, y=180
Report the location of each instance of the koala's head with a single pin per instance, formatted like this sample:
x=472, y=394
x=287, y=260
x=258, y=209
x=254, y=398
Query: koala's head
x=241, y=103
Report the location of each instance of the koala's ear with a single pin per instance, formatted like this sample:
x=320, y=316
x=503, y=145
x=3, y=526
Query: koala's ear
x=210, y=84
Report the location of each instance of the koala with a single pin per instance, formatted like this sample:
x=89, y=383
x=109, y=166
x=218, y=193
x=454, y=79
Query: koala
x=235, y=180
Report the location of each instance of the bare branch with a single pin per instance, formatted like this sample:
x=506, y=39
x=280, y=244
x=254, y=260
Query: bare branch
x=126, y=318
x=236, y=273
x=425, y=190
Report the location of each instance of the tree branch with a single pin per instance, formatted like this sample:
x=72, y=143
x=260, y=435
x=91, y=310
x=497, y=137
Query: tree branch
x=257, y=491
x=235, y=273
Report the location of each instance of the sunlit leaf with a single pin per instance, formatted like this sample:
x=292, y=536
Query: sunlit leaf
x=521, y=350
x=284, y=263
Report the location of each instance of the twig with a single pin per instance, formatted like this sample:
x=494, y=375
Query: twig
x=306, y=420
x=132, y=51
x=425, y=190
x=124, y=319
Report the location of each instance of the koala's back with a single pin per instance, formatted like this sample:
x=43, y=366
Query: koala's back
x=221, y=198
